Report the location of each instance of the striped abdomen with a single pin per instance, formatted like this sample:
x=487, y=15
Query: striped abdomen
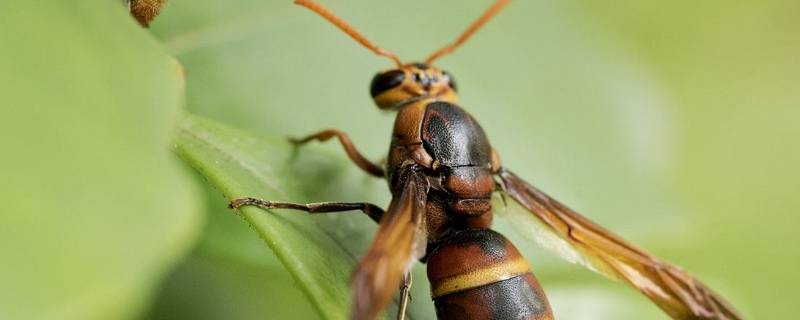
x=479, y=274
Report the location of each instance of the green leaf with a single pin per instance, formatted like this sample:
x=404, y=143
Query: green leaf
x=319, y=251
x=95, y=206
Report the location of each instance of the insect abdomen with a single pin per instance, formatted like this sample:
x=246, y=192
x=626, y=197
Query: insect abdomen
x=479, y=274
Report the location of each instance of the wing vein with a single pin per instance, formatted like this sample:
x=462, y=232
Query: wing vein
x=673, y=290
x=399, y=241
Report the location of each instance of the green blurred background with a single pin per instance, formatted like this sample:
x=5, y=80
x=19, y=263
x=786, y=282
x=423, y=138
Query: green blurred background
x=674, y=124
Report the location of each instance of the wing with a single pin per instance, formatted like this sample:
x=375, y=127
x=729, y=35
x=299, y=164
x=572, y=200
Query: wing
x=677, y=293
x=400, y=241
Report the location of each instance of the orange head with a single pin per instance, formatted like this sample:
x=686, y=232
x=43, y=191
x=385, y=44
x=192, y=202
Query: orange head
x=409, y=82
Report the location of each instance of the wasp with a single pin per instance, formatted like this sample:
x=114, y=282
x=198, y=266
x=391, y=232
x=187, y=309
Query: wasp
x=442, y=172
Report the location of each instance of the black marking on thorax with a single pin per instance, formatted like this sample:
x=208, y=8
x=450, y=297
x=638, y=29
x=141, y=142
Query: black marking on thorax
x=453, y=137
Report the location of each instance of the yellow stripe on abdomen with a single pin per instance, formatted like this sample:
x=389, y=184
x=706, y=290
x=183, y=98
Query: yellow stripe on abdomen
x=480, y=277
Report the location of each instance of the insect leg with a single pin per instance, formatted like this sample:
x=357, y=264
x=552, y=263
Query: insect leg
x=349, y=148
x=405, y=295
x=374, y=212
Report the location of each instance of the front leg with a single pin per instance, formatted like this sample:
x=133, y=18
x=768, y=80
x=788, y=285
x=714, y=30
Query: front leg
x=349, y=148
x=374, y=212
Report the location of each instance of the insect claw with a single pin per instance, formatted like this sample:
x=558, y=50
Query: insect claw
x=234, y=206
x=237, y=203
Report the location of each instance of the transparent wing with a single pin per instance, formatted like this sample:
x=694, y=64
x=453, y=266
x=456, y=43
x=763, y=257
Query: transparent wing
x=580, y=240
x=400, y=241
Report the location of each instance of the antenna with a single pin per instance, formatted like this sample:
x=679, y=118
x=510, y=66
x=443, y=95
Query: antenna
x=342, y=25
x=475, y=26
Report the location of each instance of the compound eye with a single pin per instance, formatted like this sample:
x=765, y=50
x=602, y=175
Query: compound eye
x=385, y=81
x=450, y=80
